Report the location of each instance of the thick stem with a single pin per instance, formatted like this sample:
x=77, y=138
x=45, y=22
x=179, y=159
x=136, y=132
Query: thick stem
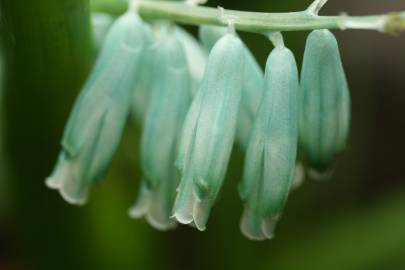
x=256, y=21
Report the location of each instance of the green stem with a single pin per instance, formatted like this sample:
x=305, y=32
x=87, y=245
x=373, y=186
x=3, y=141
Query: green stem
x=258, y=22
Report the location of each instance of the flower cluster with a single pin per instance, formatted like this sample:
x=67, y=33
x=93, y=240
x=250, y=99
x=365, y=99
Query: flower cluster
x=195, y=100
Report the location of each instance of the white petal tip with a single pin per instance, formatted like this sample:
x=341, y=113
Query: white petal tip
x=269, y=226
x=200, y=227
x=52, y=183
x=183, y=218
x=74, y=200
x=135, y=212
x=160, y=226
x=320, y=176
x=257, y=228
x=248, y=228
x=201, y=214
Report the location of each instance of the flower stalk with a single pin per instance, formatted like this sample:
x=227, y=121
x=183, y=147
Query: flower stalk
x=259, y=22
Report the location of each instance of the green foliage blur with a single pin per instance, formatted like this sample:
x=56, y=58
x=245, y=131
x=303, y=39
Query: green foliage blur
x=355, y=221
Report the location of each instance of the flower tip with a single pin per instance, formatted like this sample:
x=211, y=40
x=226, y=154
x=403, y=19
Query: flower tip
x=52, y=182
x=72, y=198
x=183, y=217
x=160, y=226
x=269, y=226
x=320, y=175
x=141, y=206
x=136, y=212
x=248, y=228
x=201, y=213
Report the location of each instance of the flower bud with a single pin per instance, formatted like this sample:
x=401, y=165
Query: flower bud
x=209, y=131
x=272, y=149
x=325, y=102
x=95, y=127
x=162, y=129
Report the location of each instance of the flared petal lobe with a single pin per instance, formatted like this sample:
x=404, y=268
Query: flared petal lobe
x=162, y=129
x=96, y=124
x=272, y=149
x=325, y=102
x=209, y=131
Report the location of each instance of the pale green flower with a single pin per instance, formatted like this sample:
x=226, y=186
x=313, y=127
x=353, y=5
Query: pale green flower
x=95, y=127
x=209, y=131
x=168, y=106
x=325, y=102
x=272, y=149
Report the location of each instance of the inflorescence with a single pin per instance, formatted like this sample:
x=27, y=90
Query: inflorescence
x=195, y=100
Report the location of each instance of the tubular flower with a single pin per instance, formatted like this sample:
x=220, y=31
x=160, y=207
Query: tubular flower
x=272, y=149
x=325, y=102
x=162, y=129
x=209, y=131
x=252, y=83
x=96, y=124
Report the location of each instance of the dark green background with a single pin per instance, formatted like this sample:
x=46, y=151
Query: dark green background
x=355, y=221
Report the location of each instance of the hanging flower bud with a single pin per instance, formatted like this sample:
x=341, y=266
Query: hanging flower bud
x=325, y=101
x=95, y=127
x=196, y=57
x=209, y=131
x=162, y=129
x=272, y=149
x=252, y=83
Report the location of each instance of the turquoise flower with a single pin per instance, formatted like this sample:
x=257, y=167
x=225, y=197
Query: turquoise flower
x=95, y=127
x=168, y=107
x=325, y=102
x=272, y=149
x=209, y=131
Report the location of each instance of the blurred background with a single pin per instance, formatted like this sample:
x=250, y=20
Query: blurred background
x=354, y=221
